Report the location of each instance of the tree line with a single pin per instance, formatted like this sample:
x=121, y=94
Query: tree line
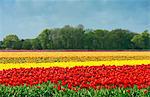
x=69, y=37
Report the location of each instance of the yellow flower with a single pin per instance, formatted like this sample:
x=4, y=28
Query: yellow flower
x=72, y=64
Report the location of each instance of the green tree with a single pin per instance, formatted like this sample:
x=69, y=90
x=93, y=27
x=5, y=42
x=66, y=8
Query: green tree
x=89, y=40
x=138, y=42
x=0, y=44
x=72, y=37
x=142, y=41
x=76, y=37
x=27, y=45
x=55, y=40
x=44, y=38
x=119, y=39
x=11, y=42
x=100, y=38
x=36, y=44
x=95, y=39
x=146, y=39
x=67, y=37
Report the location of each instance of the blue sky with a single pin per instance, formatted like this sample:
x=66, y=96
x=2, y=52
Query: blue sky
x=27, y=18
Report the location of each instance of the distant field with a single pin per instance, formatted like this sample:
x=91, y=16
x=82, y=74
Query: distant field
x=24, y=59
x=27, y=53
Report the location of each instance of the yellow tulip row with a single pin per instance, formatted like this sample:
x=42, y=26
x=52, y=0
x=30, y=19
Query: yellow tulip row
x=48, y=57
x=72, y=59
x=72, y=64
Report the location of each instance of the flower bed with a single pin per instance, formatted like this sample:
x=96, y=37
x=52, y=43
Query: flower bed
x=74, y=74
x=85, y=77
x=78, y=78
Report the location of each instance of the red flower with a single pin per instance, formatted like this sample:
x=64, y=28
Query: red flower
x=64, y=89
x=54, y=86
x=96, y=77
x=59, y=87
x=145, y=91
x=38, y=87
x=128, y=91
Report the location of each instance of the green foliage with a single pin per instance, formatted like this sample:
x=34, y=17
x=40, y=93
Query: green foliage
x=36, y=44
x=26, y=44
x=96, y=39
x=69, y=37
x=47, y=90
x=0, y=44
x=44, y=38
x=11, y=42
x=119, y=39
x=142, y=41
x=138, y=41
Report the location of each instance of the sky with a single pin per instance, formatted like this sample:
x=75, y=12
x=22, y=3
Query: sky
x=27, y=18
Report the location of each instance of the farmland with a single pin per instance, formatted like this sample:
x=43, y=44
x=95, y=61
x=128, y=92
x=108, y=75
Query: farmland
x=75, y=73
x=74, y=48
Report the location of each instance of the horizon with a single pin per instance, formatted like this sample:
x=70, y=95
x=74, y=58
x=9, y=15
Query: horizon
x=28, y=18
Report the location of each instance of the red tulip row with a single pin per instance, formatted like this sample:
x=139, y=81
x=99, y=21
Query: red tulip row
x=85, y=77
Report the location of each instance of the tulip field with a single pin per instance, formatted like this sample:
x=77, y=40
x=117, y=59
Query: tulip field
x=75, y=74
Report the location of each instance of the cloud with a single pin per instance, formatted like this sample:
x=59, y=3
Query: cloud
x=27, y=18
